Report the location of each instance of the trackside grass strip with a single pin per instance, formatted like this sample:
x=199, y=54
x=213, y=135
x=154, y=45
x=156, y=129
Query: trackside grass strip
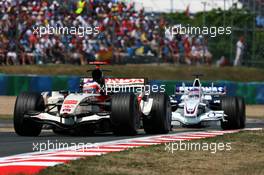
x=152, y=72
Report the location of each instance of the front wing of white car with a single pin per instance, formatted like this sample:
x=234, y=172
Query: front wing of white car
x=208, y=116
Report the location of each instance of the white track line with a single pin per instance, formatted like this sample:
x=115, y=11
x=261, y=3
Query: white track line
x=51, y=158
x=31, y=164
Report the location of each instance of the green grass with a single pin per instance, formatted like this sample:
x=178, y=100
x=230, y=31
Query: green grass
x=6, y=117
x=167, y=72
x=245, y=157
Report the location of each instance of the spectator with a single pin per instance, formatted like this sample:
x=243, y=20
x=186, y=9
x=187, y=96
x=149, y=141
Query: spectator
x=189, y=51
x=223, y=61
x=11, y=54
x=207, y=54
x=239, y=51
x=3, y=50
x=57, y=52
x=174, y=51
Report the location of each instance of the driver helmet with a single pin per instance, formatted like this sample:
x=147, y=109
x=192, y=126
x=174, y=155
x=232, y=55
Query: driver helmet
x=194, y=93
x=91, y=87
x=97, y=75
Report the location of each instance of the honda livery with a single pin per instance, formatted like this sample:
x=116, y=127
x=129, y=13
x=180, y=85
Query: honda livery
x=101, y=105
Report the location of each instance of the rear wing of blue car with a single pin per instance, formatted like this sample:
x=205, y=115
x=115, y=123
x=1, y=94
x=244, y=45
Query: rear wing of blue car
x=206, y=90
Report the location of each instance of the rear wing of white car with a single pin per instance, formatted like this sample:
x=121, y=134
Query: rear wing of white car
x=129, y=82
x=118, y=84
x=206, y=90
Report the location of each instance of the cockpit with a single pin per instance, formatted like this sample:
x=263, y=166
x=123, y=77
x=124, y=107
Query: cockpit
x=194, y=94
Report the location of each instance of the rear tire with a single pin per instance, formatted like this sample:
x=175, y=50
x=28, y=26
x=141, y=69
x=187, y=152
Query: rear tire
x=159, y=119
x=125, y=114
x=241, y=111
x=230, y=107
x=27, y=102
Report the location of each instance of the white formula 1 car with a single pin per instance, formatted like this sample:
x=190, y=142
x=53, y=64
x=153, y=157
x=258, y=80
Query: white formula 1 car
x=196, y=106
x=103, y=104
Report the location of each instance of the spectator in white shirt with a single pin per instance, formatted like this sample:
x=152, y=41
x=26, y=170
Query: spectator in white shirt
x=239, y=51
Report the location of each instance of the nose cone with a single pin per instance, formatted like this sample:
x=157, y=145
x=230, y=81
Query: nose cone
x=191, y=108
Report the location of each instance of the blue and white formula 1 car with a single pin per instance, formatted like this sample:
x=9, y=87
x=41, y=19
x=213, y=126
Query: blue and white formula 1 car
x=198, y=105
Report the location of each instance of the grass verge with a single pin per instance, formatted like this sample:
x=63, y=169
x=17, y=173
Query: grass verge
x=160, y=72
x=245, y=157
x=6, y=117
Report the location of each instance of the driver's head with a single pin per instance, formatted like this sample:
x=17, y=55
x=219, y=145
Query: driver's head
x=97, y=75
x=194, y=93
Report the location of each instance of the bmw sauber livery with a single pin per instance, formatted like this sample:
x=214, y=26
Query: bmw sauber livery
x=196, y=105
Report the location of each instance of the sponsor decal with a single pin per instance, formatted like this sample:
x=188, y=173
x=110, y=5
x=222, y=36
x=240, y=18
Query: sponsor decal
x=66, y=110
x=68, y=106
x=124, y=81
x=70, y=102
x=204, y=89
x=211, y=114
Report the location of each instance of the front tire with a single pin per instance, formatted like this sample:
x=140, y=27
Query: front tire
x=159, y=119
x=230, y=107
x=241, y=111
x=125, y=114
x=27, y=102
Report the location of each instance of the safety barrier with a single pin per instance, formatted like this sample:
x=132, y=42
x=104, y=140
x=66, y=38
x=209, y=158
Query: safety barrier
x=14, y=84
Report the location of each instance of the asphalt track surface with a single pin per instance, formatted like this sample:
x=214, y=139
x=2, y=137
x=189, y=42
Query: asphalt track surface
x=11, y=144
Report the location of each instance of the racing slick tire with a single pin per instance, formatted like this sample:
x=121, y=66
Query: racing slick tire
x=241, y=111
x=230, y=107
x=27, y=102
x=159, y=119
x=125, y=114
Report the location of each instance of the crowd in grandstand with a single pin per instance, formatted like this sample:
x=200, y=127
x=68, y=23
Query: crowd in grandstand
x=124, y=34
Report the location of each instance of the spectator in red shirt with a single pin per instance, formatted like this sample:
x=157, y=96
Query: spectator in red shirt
x=187, y=50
